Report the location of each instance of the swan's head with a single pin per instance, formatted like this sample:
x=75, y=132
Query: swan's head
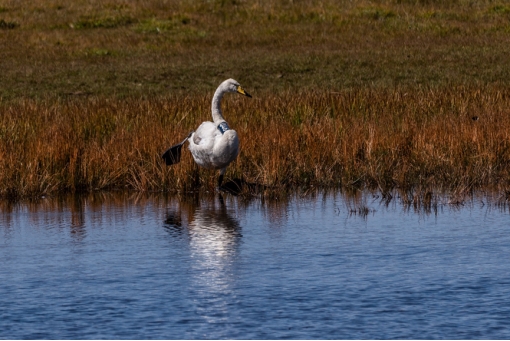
x=231, y=85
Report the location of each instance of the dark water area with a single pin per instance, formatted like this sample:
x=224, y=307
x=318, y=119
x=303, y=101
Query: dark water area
x=327, y=266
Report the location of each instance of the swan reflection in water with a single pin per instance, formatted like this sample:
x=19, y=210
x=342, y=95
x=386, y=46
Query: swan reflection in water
x=214, y=237
x=211, y=229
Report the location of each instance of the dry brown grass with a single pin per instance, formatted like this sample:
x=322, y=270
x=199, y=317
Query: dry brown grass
x=423, y=139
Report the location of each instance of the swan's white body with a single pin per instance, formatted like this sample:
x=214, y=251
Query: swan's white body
x=211, y=149
x=213, y=145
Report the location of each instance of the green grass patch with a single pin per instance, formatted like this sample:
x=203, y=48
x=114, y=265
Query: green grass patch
x=376, y=13
x=277, y=45
x=103, y=22
x=500, y=9
x=8, y=25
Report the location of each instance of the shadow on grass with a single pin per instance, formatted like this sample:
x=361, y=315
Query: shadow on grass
x=239, y=186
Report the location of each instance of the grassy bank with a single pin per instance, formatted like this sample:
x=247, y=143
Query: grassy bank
x=124, y=48
x=385, y=94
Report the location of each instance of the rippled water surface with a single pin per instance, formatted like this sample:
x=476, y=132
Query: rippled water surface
x=327, y=267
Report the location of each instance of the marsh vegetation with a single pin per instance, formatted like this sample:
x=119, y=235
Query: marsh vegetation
x=382, y=94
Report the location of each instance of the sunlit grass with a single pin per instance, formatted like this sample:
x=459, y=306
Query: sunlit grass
x=427, y=139
x=156, y=48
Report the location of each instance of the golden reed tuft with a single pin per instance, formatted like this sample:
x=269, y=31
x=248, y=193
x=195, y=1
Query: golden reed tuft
x=422, y=138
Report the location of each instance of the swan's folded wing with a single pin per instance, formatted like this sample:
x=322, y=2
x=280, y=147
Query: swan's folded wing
x=205, y=134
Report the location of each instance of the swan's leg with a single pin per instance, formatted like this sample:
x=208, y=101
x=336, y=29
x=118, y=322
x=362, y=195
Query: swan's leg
x=196, y=176
x=220, y=178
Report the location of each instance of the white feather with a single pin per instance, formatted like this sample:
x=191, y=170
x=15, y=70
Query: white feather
x=211, y=149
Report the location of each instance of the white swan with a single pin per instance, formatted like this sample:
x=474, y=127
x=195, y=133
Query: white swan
x=213, y=145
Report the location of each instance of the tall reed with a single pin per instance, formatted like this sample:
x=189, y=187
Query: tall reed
x=449, y=138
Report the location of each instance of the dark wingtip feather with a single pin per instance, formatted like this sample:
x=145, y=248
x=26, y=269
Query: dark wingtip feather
x=172, y=155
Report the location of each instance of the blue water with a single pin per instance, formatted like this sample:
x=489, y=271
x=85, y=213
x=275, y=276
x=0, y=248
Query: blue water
x=121, y=267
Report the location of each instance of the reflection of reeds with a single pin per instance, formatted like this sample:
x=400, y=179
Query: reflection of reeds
x=386, y=139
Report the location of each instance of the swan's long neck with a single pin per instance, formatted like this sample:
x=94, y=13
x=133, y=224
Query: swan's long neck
x=217, y=115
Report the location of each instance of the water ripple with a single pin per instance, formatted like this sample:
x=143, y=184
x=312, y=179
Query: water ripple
x=214, y=267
